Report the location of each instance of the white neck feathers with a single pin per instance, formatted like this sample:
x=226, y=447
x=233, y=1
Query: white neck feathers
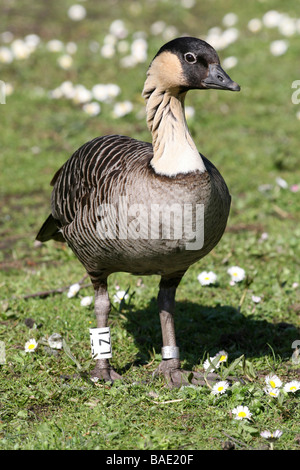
x=173, y=147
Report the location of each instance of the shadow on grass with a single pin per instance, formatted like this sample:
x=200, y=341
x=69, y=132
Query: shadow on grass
x=202, y=330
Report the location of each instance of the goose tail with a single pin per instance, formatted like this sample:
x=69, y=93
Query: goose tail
x=50, y=231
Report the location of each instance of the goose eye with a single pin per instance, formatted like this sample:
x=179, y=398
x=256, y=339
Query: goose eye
x=190, y=57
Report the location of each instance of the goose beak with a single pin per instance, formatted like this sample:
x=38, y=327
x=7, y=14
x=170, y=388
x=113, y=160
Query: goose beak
x=218, y=78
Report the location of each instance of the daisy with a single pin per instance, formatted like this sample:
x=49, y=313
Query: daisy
x=242, y=412
x=82, y=94
x=282, y=183
x=55, y=45
x=189, y=112
x=113, y=90
x=86, y=301
x=139, y=50
x=31, y=345
x=206, y=278
x=20, y=49
x=65, y=61
x=272, y=392
x=76, y=12
x=122, y=108
x=222, y=355
x=230, y=62
x=230, y=19
x=292, y=387
x=256, y=299
x=118, y=29
x=108, y=51
x=278, y=47
x=254, y=25
x=271, y=18
x=271, y=436
x=237, y=274
x=273, y=381
x=93, y=108
x=6, y=55
x=220, y=387
x=208, y=362
x=73, y=290
x=120, y=295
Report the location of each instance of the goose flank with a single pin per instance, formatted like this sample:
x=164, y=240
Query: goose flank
x=123, y=205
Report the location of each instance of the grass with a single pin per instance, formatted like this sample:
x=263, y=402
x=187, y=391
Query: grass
x=47, y=401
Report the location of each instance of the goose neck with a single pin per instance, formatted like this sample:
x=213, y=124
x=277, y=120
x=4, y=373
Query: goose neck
x=174, y=150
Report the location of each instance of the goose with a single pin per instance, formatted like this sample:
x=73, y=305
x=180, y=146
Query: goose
x=123, y=205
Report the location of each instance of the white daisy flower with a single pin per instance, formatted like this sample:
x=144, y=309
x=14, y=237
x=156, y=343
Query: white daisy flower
x=118, y=29
x=76, y=12
x=128, y=61
x=120, y=295
x=287, y=26
x=113, y=90
x=292, y=387
x=55, y=45
x=20, y=49
x=254, y=25
x=122, y=108
x=65, y=61
x=206, y=278
x=67, y=89
x=271, y=435
x=73, y=290
x=207, y=364
x=71, y=47
x=157, y=27
x=108, y=51
x=31, y=345
x=273, y=381
x=82, y=94
x=188, y=3
x=32, y=40
x=272, y=392
x=189, y=112
x=220, y=387
x=222, y=355
x=256, y=299
x=282, y=183
x=139, y=50
x=93, y=108
x=272, y=18
x=278, y=47
x=86, y=301
x=6, y=55
x=237, y=274
x=230, y=19
x=241, y=412
x=229, y=62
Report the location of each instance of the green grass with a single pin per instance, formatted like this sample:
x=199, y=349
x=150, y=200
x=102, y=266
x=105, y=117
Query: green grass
x=46, y=401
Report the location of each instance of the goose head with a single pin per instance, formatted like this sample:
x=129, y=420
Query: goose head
x=188, y=63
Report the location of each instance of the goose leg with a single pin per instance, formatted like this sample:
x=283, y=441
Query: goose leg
x=103, y=369
x=170, y=367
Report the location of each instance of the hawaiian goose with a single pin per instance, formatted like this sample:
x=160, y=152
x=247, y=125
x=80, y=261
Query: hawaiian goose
x=104, y=194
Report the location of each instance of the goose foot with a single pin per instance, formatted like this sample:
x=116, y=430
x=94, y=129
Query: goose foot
x=177, y=377
x=107, y=374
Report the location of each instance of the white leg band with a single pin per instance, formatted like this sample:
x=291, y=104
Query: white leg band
x=100, y=343
x=170, y=352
